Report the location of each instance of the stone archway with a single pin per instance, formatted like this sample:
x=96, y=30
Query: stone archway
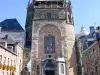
x=49, y=67
x=45, y=31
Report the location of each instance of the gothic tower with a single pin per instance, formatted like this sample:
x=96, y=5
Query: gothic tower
x=28, y=28
x=50, y=33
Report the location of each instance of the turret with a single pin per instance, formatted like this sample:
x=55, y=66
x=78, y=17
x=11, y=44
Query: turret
x=28, y=25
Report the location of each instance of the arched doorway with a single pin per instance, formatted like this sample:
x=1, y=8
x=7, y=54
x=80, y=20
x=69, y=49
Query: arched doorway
x=49, y=67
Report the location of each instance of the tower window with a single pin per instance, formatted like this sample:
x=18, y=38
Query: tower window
x=69, y=17
x=37, y=3
x=51, y=16
x=48, y=4
x=60, y=4
x=49, y=44
x=43, y=3
x=54, y=4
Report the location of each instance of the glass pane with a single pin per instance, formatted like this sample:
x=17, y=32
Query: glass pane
x=49, y=43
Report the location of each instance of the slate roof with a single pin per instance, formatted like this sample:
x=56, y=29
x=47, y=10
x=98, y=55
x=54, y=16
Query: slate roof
x=11, y=25
x=90, y=39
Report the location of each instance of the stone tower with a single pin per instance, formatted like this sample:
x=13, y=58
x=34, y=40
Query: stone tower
x=50, y=34
x=28, y=28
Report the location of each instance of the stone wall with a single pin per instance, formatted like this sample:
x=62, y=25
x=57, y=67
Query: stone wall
x=91, y=59
x=65, y=46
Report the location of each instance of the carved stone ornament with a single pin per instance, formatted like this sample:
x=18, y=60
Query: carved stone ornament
x=63, y=30
x=36, y=26
x=34, y=45
x=35, y=37
x=34, y=68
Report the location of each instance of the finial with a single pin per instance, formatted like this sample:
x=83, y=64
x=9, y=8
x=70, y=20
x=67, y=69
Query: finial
x=82, y=28
x=28, y=2
x=95, y=24
x=69, y=1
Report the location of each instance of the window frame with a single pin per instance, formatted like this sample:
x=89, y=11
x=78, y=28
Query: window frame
x=0, y=58
x=10, y=47
x=49, y=41
x=4, y=60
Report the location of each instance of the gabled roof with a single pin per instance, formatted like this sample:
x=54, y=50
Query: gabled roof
x=9, y=40
x=90, y=39
x=11, y=25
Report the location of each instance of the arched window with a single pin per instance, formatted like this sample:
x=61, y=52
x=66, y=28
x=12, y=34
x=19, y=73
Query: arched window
x=62, y=69
x=49, y=44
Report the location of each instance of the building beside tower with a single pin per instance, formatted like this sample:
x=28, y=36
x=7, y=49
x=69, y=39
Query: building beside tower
x=11, y=47
x=89, y=51
x=13, y=29
x=50, y=38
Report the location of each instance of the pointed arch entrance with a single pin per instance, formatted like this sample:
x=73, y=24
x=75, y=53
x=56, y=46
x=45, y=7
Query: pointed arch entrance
x=49, y=67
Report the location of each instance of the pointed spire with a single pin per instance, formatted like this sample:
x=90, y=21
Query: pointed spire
x=69, y=1
x=82, y=28
x=69, y=7
x=28, y=2
x=33, y=1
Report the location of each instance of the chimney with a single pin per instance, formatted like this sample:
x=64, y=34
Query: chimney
x=6, y=36
x=98, y=28
x=92, y=29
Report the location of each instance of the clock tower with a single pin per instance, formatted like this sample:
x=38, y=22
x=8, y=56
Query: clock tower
x=50, y=28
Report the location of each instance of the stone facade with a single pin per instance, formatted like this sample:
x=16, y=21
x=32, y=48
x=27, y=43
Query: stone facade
x=26, y=57
x=52, y=38
x=91, y=59
x=16, y=36
x=10, y=58
x=64, y=43
x=7, y=58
